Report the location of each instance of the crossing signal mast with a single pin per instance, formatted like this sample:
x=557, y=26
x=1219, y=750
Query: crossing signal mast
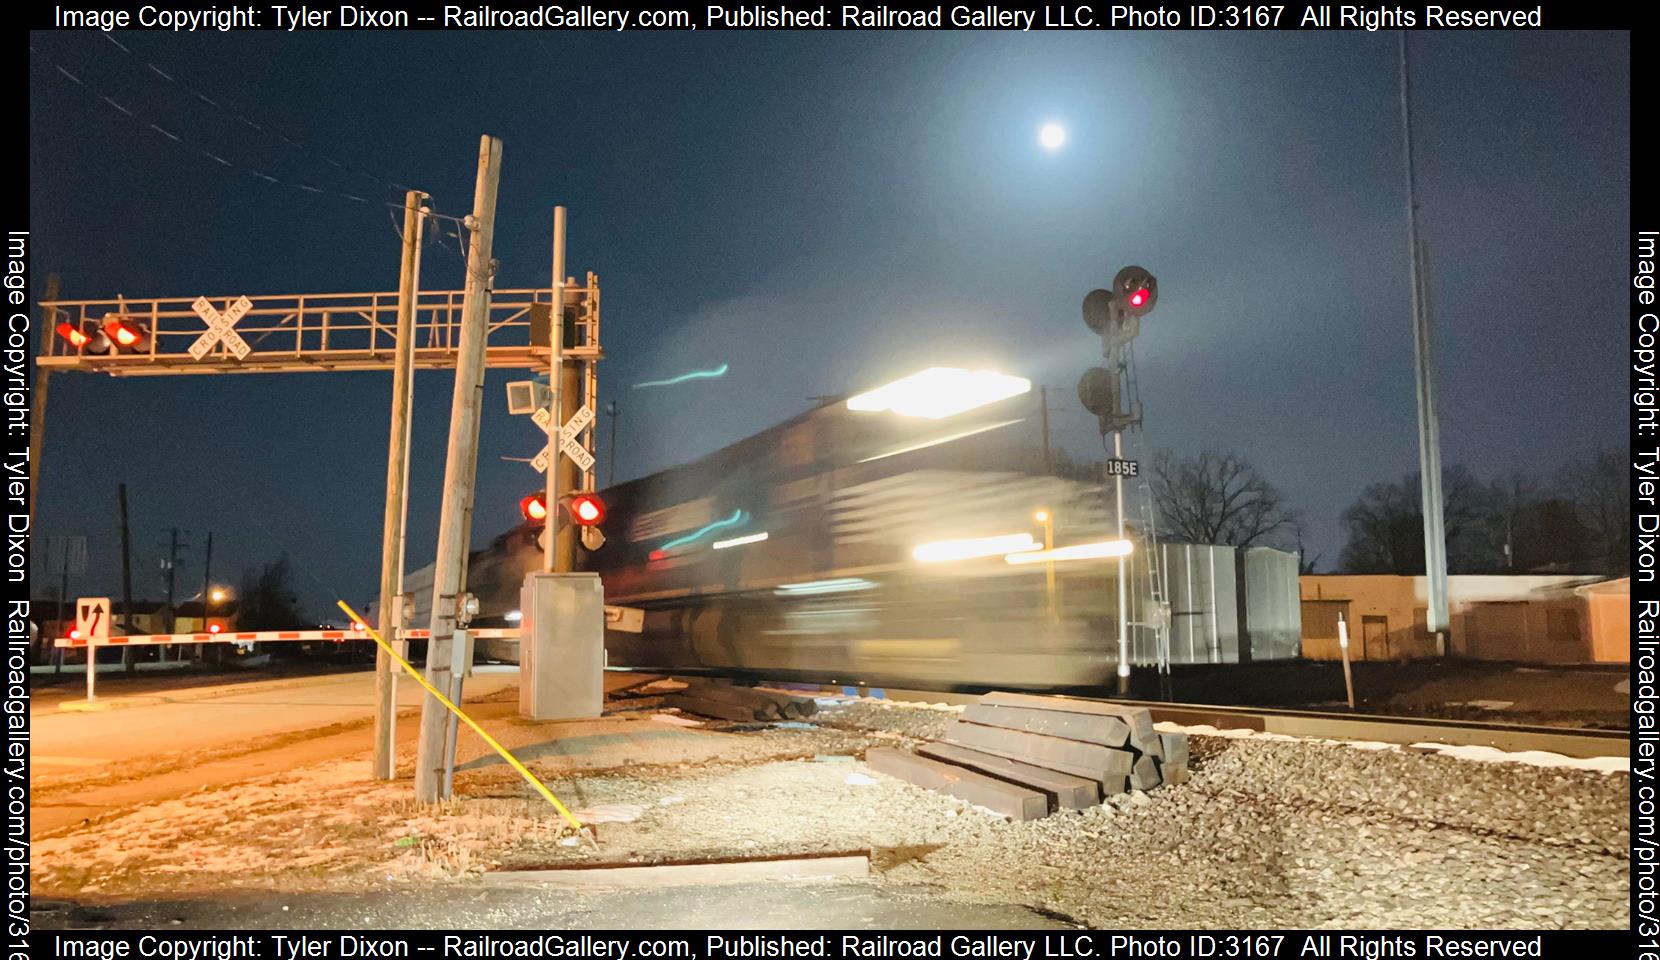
x=1115, y=315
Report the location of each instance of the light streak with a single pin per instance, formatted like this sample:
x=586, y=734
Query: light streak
x=939, y=440
x=737, y=517
x=942, y=550
x=739, y=541
x=719, y=371
x=1082, y=551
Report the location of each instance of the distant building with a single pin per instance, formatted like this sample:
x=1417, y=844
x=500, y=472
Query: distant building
x=188, y=617
x=56, y=620
x=1530, y=619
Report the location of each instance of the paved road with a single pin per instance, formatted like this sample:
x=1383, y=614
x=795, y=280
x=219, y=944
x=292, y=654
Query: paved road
x=824, y=905
x=166, y=744
x=207, y=718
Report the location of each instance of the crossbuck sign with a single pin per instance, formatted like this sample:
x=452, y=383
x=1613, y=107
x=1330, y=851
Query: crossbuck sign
x=220, y=327
x=567, y=440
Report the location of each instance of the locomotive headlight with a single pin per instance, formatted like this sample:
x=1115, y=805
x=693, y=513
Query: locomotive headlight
x=940, y=392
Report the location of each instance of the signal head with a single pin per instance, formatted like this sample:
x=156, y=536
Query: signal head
x=73, y=334
x=535, y=508
x=89, y=339
x=1098, y=310
x=1136, y=290
x=1098, y=391
x=587, y=510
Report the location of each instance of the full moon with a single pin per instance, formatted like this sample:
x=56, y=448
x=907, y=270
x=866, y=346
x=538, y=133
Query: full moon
x=1052, y=136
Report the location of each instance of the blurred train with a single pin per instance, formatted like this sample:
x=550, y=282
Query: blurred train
x=839, y=547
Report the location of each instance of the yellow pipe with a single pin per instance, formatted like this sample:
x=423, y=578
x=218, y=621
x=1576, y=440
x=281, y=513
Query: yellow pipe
x=514, y=761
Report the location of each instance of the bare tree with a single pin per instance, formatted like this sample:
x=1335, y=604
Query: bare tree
x=1218, y=497
x=1386, y=527
x=267, y=600
x=1305, y=563
x=1602, y=500
x=1068, y=467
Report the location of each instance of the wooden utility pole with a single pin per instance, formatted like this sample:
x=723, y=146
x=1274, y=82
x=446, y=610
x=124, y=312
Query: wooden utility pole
x=397, y=485
x=171, y=619
x=126, y=582
x=172, y=578
x=37, y=413
x=1043, y=404
x=207, y=587
x=447, y=587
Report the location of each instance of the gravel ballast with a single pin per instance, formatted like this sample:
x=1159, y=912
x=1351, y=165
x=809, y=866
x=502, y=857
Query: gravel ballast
x=1265, y=834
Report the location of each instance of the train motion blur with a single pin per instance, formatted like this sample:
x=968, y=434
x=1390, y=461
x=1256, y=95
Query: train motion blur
x=898, y=537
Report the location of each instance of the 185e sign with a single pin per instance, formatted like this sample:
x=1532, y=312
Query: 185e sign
x=1123, y=468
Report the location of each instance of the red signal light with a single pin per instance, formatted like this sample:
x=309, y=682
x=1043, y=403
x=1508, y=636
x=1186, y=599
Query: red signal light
x=587, y=510
x=1139, y=297
x=214, y=628
x=74, y=634
x=534, y=508
x=71, y=333
x=123, y=331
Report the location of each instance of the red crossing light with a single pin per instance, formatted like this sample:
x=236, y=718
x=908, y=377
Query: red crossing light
x=587, y=510
x=69, y=332
x=534, y=508
x=124, y=331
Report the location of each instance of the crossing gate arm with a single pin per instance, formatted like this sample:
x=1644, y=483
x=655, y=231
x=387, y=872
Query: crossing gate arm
x=624, y=619
x=264, y=636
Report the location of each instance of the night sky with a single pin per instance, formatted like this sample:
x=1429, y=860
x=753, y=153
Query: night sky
x=823, y=212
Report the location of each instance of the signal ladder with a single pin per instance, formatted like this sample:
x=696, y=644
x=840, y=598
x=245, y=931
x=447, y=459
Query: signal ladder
x=1155, y=615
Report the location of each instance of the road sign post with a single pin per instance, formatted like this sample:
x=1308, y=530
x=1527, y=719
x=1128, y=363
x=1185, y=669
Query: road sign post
x=92, y=622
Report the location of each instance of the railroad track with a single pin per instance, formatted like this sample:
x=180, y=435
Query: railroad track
x=1508, y=737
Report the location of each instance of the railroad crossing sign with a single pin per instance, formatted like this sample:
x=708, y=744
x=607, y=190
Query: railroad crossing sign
x=221, y=328
x=92, y=618
x=569, y=445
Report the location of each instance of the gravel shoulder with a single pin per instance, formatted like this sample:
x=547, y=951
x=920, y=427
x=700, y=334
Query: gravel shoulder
x=1266, y=834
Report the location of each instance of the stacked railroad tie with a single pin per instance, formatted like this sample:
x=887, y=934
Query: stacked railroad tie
x=1027, y=756
x=726, y=702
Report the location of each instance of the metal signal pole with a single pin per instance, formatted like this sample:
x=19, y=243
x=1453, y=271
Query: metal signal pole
x=397, y=485
x=556, y=398
x=1429, y=428
x=466, y=407
x=1123, y=566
